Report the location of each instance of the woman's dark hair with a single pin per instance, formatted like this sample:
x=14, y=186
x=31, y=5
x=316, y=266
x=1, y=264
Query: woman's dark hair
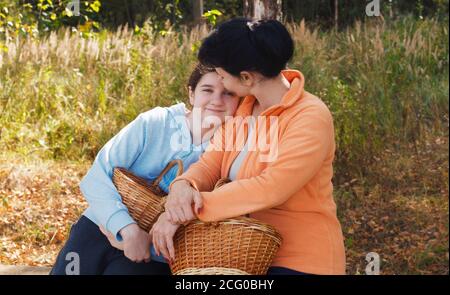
x=198, y=72
x=240, y=44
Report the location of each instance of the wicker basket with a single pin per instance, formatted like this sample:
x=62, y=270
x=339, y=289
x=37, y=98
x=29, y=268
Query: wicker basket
x=233, y=246
x=144, y=201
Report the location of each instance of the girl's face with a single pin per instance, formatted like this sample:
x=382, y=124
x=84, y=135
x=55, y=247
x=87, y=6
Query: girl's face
x=211, y=97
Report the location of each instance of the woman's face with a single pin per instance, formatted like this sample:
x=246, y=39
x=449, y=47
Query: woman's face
x=212, y=98
x=233, y=83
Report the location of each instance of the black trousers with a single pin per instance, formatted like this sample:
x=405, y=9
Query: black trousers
x=91, y=250
x=96, y=256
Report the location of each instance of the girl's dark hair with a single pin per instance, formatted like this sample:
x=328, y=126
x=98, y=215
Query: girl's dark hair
x=240, y=44
x=198, y=72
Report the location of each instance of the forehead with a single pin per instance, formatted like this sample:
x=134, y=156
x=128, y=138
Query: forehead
x=210, y=78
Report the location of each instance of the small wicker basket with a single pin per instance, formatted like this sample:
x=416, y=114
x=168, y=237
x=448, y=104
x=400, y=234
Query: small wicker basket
x=233, y=246
x=144, y=201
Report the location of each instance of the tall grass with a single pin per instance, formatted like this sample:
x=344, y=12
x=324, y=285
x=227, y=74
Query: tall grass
x=64, y=96
x=386, y=84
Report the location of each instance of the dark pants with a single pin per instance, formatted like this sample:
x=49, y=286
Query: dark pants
x=96, y=256
x=278, y=270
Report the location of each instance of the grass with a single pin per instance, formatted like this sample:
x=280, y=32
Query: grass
x=63, y=96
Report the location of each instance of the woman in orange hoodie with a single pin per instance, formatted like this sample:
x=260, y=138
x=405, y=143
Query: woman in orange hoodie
x=286, y=182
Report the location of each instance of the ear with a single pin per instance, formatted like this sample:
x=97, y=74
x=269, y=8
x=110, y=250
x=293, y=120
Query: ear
x=191, y=96
x=247, y=78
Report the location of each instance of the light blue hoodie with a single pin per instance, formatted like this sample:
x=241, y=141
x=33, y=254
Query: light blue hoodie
x=144, y=147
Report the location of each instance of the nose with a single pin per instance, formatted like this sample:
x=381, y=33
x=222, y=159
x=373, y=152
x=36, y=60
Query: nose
x=217, y=98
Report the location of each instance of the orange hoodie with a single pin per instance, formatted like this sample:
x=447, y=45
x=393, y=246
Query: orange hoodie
x=292, y=191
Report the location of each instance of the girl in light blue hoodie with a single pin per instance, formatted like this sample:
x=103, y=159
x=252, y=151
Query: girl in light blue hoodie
x=106, y=239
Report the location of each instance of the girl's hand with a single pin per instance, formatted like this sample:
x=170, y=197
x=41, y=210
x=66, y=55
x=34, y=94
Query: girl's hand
x=112, y=240
x=162, y=234
x=136, y=243
x=179, y=202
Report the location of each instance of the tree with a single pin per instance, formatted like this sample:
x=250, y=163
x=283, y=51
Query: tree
x=336, y=14
x=197, y=10
x=259, y=9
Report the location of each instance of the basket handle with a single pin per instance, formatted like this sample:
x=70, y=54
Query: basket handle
x=168, y=167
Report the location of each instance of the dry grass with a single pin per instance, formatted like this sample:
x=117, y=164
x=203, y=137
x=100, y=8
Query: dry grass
x=404, y=216
x=39, y=202
x=405, y=219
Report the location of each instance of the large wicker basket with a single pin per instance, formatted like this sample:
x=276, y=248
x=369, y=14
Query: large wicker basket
x=144, y=201
x=233, y=246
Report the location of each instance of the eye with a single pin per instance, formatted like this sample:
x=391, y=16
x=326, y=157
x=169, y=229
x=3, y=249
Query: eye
x=207, y=90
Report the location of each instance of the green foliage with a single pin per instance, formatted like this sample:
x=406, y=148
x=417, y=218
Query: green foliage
x=228, y=8
x=16, y=20
x=31, y=18
x=211, y=16
x=386, y=84
x=165, y=14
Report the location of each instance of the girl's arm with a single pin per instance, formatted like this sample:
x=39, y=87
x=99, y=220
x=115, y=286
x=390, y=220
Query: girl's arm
x=97, y=187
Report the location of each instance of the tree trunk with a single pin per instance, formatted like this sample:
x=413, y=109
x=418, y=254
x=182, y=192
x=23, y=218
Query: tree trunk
x=336, y=14
x=197, y=10
x=130, y=21
x=263, y=9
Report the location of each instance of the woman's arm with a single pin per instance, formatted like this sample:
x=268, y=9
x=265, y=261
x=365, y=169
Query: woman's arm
x=304, y=146
x=202, y=175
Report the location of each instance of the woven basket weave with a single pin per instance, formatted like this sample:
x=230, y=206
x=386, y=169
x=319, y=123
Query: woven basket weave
x=233, y=246
x=144, y=201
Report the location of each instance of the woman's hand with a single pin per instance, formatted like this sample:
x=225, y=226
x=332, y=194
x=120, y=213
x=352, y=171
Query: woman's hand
x=162, y=234
x=179, y=202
